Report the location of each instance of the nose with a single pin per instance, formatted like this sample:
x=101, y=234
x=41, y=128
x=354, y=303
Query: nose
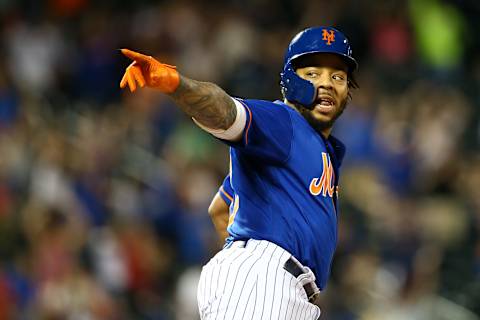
x=325, y=81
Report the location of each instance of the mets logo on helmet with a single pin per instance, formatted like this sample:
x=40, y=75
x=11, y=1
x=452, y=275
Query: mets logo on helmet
x=325, y=184
x=328, y=35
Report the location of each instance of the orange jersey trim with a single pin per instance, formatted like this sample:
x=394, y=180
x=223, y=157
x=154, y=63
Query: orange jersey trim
x=249, y=121
x=222, y=190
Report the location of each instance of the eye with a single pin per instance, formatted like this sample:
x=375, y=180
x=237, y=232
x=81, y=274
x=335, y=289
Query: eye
x=338, y=77
x=311, y=74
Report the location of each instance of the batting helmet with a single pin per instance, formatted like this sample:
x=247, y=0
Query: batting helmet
x=311, y=40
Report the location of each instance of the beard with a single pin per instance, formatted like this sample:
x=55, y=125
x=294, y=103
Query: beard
x=318, y=124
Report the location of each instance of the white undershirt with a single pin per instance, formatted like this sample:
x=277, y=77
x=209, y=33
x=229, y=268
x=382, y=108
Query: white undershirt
x=234, y=133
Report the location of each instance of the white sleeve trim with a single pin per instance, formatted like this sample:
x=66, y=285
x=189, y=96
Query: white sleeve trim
x=235, y=131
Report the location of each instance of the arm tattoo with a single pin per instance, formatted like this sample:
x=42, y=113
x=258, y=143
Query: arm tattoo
x=206, y=102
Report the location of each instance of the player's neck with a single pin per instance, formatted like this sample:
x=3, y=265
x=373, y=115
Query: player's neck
x=325, y=132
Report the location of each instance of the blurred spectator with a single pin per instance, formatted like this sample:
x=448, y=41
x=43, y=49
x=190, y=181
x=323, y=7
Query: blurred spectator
x=441, y=34
x=34, y=49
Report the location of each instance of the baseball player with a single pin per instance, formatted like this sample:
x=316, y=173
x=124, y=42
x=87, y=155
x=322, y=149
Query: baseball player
x=284, y=172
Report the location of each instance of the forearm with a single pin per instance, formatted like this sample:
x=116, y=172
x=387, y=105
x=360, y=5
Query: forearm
x=206, y=102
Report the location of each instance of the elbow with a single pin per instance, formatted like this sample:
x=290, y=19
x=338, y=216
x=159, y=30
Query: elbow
x=217, y=207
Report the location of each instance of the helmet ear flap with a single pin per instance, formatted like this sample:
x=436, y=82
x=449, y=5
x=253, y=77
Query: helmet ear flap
x=296, y=89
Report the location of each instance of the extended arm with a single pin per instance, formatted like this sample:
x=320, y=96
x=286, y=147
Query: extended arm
x=206, y=102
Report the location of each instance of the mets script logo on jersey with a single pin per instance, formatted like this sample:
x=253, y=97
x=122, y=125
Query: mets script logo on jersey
x=328, y=35
x=325, y=184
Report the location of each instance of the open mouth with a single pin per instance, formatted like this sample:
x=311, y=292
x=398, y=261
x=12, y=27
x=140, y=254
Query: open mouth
x=325, y=102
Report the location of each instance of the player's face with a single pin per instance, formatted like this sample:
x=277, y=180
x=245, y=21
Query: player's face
x=328, y=73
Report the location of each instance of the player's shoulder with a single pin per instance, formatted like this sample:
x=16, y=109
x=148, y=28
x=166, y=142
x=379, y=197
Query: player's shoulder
x=278, y=111
x=270, y=109
x=254, y=103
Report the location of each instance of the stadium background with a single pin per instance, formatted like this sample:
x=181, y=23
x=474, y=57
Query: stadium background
x=104, y=194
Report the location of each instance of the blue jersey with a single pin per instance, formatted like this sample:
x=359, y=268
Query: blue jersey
x=226, y=191
x=284, y=175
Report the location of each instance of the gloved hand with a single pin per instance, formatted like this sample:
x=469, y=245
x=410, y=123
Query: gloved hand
x=145, y=70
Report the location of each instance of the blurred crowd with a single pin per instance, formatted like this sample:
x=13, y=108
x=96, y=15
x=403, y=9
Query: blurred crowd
x=104, y=194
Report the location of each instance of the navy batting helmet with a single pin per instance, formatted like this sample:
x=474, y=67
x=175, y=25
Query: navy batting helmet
x=311, y=40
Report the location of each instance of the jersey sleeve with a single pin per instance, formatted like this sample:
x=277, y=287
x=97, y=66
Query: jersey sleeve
x=268, y=131
x=226, y=191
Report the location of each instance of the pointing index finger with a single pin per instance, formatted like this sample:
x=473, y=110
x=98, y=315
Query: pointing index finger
x=135, y=55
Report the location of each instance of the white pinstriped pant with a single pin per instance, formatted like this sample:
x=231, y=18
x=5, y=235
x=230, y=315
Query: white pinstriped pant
x=250, y=283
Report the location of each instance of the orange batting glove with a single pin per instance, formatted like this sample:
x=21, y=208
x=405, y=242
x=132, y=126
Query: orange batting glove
x=145, y=70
